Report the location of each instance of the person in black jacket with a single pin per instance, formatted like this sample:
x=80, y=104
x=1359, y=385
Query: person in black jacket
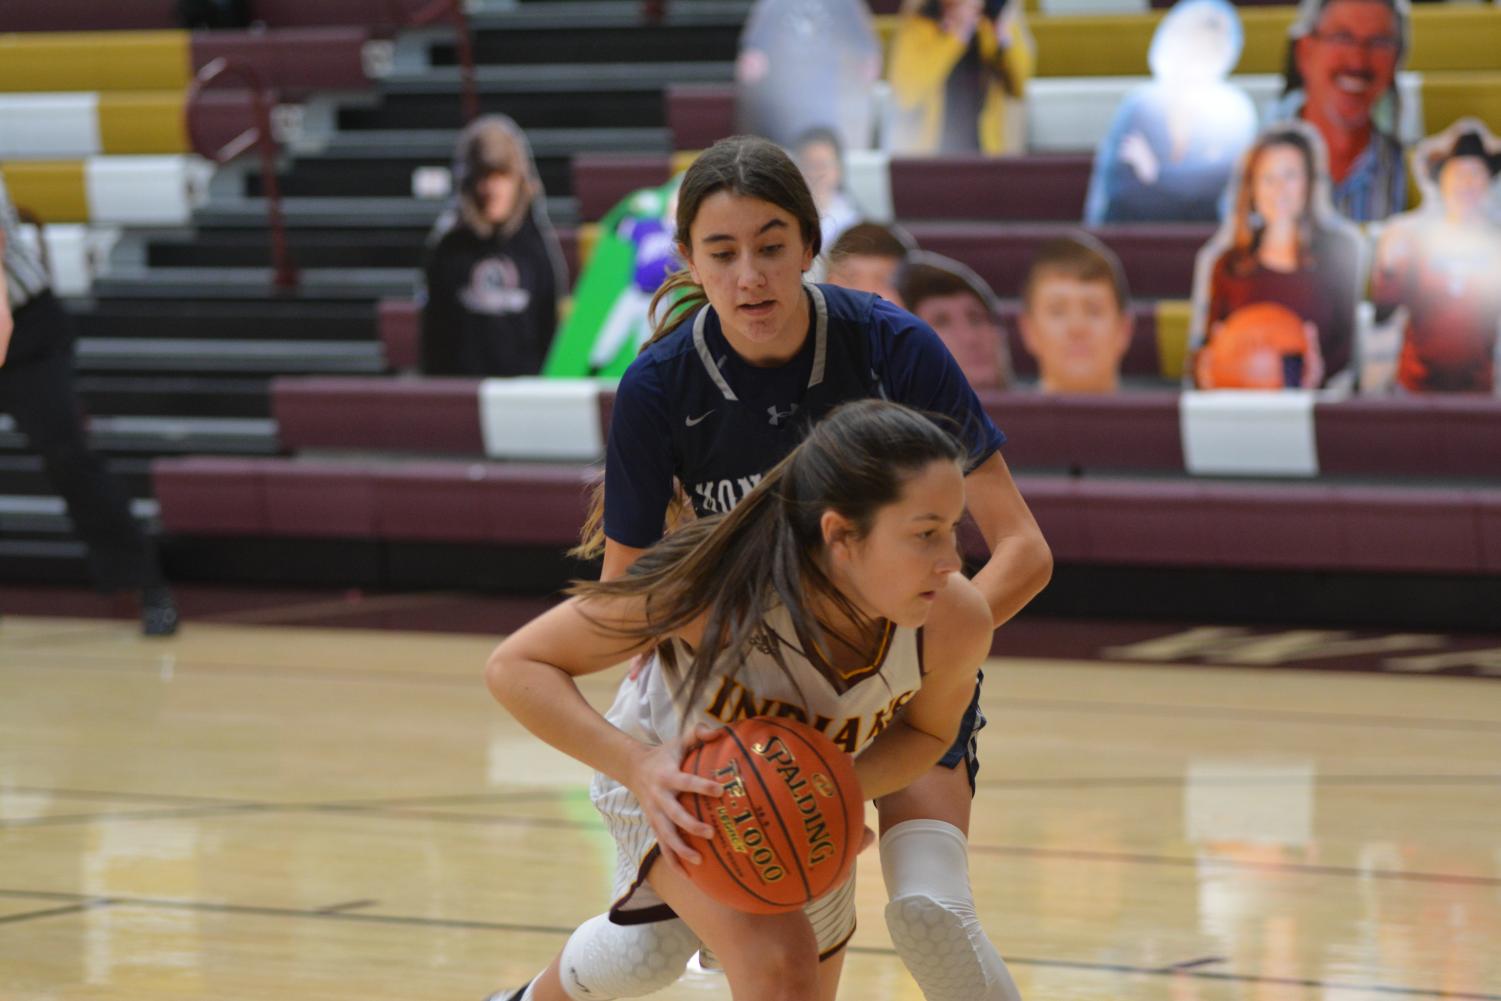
x=494, y=269
x=37, y=390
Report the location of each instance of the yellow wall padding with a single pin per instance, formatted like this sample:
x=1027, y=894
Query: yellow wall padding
x=1444, y=38
x=53, y=189
x=588, y=236
x=1173, y=316
x=1449, y=96
x=95, y=60
x=150, y=121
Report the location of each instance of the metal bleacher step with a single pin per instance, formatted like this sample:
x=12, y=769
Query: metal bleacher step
x=135, y=282
x=131, y=354
x=22, y=473
x=170, y=435
x=558, y=77
x=360, y=212
x=438, y=143
x=49, y=516
x=210, y=319
x=605, y=31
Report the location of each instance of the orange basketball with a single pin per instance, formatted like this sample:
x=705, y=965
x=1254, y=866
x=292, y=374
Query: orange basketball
x=789, y=824
x=1256, y=348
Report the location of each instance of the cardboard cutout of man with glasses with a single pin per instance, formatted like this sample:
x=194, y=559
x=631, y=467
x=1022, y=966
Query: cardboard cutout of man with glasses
x=1342, y=65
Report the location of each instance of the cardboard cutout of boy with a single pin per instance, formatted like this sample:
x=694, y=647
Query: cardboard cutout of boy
x=1175, y=141
x=960, y=307
x=1275, y=291
x=1076, y=315
x=1437, y=273
x=635, y=253
x=807, y=64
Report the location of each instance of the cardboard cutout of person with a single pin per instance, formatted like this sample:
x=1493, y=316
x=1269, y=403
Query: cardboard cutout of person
x=1076, y=315
x=1275, y=291
x=958, y=304
x=821, y=159
x=1175, y=141
x=634, y=254
x=1343, y=57
x=807, y=64
x=1437, y=272
x=958, y=74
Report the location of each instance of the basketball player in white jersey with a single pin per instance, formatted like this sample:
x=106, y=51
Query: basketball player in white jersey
x=832, y=594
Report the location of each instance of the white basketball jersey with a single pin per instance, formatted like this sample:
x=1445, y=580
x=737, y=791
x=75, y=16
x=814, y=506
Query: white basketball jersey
x=851, y=714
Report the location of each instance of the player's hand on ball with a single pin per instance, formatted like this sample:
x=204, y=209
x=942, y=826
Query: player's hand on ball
x=657, y=779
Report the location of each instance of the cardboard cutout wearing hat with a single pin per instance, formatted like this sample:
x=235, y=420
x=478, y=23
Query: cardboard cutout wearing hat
x=1174, y=142
x=959, y=305
x=1437, y=273
x=1275, y=291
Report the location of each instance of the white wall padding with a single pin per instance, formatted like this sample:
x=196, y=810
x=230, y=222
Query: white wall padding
x=145, y=190
x=536, y=418
x=76, y=254
x=49, y=126
x=867, y=174
x=1244, y=432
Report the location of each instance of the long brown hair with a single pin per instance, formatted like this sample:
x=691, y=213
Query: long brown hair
x=744, y=165
x=1246, y=236
x=736, y=567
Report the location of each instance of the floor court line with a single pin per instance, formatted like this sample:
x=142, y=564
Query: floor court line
x=1122, y=968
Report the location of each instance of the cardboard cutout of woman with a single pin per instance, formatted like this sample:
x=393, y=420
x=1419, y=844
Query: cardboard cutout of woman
x=1437, y=272
x=1175, y=141
x=807, y=64
x=958, y=74
x=1275, y=291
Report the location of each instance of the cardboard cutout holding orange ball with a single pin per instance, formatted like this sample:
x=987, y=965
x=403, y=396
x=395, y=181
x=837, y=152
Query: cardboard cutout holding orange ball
x=1275, y=291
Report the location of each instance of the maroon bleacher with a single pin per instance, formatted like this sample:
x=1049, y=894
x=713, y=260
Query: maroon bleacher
x=148, y=15
x=87, y=15
x=1158, y=259
x=460, y=502
x=1435, y=436
x=1144, y=523
x=1037, y=188
x=393, y=415
x=700, y=114
x=601, y=180
x=1136, y=431
x=292, y=60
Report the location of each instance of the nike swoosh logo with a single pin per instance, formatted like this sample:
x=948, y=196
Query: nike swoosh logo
x=692, y=421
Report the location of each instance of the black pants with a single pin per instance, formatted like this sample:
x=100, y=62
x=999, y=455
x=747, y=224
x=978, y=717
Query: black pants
x=36, y=389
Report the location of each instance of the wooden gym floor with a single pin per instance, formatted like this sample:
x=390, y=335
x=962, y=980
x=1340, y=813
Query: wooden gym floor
x=256, y=810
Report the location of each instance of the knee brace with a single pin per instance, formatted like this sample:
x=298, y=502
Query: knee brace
x=931, y=915
x=603, y=961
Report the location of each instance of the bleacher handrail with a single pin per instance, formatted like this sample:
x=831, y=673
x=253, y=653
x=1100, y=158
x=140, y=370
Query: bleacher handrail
x=452, y=11
x=259, y=134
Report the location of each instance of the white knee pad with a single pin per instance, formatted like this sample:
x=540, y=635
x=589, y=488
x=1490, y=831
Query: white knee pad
x=932, y=917
x=603, y=961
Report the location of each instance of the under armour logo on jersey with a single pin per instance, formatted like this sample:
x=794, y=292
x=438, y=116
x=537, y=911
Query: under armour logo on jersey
x=777, y=416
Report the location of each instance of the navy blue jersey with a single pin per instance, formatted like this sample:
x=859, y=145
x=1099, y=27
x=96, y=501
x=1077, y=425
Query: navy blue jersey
x=690, y=408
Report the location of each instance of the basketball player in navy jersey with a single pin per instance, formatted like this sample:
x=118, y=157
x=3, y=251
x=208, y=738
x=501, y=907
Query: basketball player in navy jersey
x=746, y=358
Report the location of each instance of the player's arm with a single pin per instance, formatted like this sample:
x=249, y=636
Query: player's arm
x=925, y=376
x=956, y=641
x=532, y=674
x=618, y=559
x=1021, y=562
